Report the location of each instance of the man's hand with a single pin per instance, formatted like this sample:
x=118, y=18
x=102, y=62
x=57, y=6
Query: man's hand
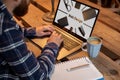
x=44, y=30
x=56, y=38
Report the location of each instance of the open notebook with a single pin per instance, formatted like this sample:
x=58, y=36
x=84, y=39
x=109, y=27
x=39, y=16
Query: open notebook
x=77, y=69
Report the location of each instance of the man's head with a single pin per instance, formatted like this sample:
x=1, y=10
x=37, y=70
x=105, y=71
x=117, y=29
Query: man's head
x=17, y=7
x=22, y=8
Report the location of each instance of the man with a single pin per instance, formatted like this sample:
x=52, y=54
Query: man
x=16, y=61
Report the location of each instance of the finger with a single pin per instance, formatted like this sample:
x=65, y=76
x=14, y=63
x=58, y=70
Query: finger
x=60, y=36
x=49, y=28
x=46, y=33
x=54, y=32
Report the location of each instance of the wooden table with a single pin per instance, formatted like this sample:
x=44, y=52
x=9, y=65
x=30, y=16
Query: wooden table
x=107, y=27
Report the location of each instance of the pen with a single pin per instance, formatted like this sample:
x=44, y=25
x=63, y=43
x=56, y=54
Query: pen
x=82, y=31
x=77, y=67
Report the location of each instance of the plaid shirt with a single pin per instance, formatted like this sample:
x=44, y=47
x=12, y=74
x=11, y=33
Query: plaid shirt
x=16, y=61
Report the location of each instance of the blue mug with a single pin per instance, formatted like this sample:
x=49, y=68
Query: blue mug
x=93, y=46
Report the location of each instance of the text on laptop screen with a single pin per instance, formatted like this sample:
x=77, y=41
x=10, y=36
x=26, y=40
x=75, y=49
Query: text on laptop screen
x=76, y=18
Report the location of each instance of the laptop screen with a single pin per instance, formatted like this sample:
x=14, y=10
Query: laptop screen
x=76, y=18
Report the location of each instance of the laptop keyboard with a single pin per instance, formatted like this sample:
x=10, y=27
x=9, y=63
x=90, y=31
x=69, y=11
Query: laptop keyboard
x=69, y=43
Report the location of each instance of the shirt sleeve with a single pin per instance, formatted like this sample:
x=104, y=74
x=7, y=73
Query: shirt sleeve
x=29, y=32
x=22, y=61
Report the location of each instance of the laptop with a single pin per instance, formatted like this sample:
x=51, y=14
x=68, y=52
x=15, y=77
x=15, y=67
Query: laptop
x=75, y=21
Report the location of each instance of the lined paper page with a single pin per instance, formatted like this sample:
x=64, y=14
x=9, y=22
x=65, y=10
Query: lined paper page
x=88, y=72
